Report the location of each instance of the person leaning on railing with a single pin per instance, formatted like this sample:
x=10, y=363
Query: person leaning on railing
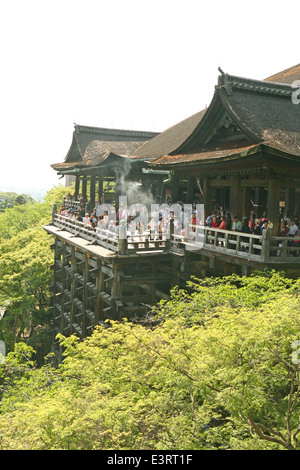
x=283, y=230
x=296, y=243
x=236, y=224
x=293, y=229
x=222, y=225
x=264, y=226
x=257, y=229
x=215, y=222
x=245, y=229
x=86, y=219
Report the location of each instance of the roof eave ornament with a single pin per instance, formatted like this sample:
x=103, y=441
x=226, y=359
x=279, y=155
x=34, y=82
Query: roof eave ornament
x=224, y=80
x=76, y=128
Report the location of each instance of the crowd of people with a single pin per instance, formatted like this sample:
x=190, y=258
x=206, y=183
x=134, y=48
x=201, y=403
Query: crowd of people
x=138, y=222
x=288, y=226
x=90, y=220
x=166, y=220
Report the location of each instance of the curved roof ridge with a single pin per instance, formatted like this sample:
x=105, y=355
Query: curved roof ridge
x=113, y=132
x=249, y=84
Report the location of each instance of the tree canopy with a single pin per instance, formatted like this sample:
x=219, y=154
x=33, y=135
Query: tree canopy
x=25, y=259
x=10, y=199
x=216, y=375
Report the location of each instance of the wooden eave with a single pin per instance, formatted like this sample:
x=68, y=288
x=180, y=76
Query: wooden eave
x=286, y=156
x=258, y=158
x=65, y=166
x=208, y=156
x=110, y=163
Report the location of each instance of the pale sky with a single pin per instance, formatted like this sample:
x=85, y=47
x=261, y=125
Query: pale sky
x=141, y=65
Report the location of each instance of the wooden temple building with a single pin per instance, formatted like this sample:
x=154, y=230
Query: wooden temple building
x=241, y=153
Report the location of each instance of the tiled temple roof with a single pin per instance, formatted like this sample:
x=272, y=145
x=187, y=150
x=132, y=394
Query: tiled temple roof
x=91, y=145
x=259, y=111
x=263, y=112
x=289, y=75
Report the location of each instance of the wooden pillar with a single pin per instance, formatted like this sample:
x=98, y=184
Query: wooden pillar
x=190, y=190
x=85, y=293
x=297, y=202
x=207, y=198
x=100, y=286
x=115, y=291
x=265, y=248
x=259, y=201
x=100, y=189
x=92, y=192
x=235, y=202
x=77, y=185
x=145, y=180
x=160, y=187
x=174, y=189
x=73, y=281
x=84, y=188
x=246, y=202
x=274, y=191
x=63, y=320
x=290, y=201
x=118, y=194
x=153, y=285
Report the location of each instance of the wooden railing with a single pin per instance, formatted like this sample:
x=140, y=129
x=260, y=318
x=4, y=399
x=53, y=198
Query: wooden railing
x=104, y=238
x=131, y=243
x=287, y=248
x=71, y=204
x=262, y=248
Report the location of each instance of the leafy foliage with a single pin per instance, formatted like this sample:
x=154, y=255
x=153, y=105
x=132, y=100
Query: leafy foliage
x=9, y=199
x=204, y=296
x=221, y=377
x=25, y=259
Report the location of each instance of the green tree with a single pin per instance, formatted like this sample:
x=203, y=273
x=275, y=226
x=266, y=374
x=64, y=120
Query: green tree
x=24, y=288
x=25, y=259
x=228, y=381
x=9, y=199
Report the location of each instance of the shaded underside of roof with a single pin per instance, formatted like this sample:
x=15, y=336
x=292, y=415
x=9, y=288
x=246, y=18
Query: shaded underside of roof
x=253, y=158
x=286, y=76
